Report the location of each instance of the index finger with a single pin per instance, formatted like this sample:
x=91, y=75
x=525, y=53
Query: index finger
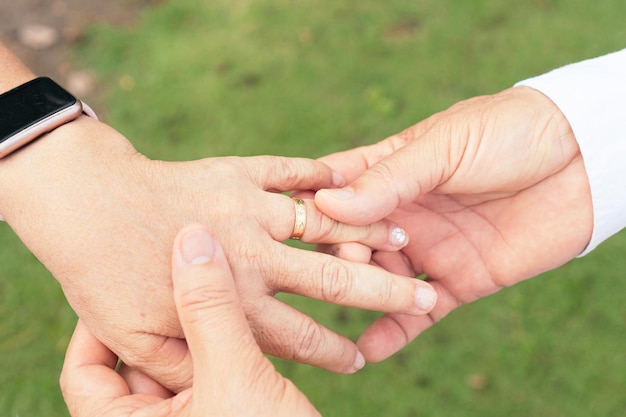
x=279, y=173
x=88, y=377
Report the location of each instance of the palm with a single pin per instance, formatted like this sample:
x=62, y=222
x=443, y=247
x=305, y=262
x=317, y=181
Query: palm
x=471, y=246
x=487, y=198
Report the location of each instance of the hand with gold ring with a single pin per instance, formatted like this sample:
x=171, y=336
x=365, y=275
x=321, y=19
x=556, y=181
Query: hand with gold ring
x=263, y=265
x=101, y=217
x=107, y=243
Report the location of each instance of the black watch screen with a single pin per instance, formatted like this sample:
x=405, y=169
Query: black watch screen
x=32, y=109
x=31, y=103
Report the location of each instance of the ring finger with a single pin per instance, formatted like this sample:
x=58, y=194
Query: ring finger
x=300, y=217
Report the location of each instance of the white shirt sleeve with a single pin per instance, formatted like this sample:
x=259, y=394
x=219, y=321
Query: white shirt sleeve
x=592, y=96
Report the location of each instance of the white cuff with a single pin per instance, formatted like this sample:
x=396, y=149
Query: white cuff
x=592, y=96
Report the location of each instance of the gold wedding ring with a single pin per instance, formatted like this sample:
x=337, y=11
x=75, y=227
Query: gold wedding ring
x=300, y=223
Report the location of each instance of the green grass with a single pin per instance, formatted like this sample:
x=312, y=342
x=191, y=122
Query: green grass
x=305, y=78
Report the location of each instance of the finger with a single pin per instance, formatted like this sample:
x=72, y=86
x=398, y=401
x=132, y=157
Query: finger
x=333, y=280
x=288, y=174
x=304, y=195
x=349, y=251
x=211, y=316
x=88, y=378
x=390, y=333
x=412, y=170
x=140, y=383
x=319, y=228
x=302, y=339
x=352, y=163
x=232, y=375
x=395, y=262
x=164, y=359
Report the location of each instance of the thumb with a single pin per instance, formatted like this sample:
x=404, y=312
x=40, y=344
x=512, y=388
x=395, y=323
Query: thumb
x=231, y=375
x=208, y=306
x=414, y=169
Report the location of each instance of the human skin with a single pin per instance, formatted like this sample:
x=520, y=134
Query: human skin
x=231, y=375
x=491, y=191
x=101, y=217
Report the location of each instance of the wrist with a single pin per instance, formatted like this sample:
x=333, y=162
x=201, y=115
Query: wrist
x=60, y=160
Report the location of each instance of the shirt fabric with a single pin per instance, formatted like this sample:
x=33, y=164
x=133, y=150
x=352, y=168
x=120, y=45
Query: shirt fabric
x=592, y=96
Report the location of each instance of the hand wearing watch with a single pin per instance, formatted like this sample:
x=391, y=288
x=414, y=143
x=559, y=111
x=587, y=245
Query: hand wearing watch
x=33, y=109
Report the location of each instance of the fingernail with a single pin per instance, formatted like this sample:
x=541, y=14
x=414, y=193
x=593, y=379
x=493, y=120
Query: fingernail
x=197, y=247
x=338, y=179
x=398, y=236
x=341, y=193
x=425, y=298
x=359, y=362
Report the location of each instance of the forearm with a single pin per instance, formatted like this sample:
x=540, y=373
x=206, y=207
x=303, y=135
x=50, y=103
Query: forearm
x=12, y=71
x=57, y=174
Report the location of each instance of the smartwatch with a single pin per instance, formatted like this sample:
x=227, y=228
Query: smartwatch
x=33, y=109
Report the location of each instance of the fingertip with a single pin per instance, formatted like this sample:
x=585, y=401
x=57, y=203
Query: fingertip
x=359, y=361
x=375, y=351
x=337, y=179
x=195, y=245
x=398, y=237
x=354, y=204
x=381, y=340
x=340, y=204
x=341, y=194
x=425, y=298
x=140, y=383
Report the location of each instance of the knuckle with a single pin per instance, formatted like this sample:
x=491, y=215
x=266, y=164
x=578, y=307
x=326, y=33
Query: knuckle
x=325, y=229
x=64, y=382
x=336, y=281
x=224, y=165
x=288, y=171
x=387, y=293
x=274, y=273
x=141, y=353
x=146, y=355
x=384, y=173
x=308, y=341
x=198, y=302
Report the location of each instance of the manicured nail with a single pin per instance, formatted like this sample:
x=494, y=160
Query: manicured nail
x=338, y=179
x=197, y=247
x=425, y=298
x=341, y=193
x=398, y=236
x=359, y=362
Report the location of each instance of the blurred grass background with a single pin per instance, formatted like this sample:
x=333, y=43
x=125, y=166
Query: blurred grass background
x=305, y=78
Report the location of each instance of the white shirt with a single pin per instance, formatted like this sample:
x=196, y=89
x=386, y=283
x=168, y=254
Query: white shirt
x=592, y=95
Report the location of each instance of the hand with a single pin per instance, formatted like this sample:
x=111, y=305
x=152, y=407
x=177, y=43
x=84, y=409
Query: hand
x=231, y=375
x=491, y=191
x=99, y=216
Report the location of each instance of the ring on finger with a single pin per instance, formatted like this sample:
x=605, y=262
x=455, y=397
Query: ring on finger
x=300, y=222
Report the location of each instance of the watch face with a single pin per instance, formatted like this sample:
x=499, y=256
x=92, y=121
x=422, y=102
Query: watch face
x=33, y=109
x=31, y=104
